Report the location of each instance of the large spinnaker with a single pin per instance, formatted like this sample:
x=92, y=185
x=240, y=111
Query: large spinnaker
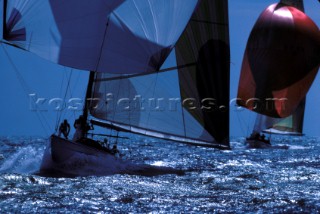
x=114, y=36
x=292, y=125
x=280, y=62
x=156, y=104
x=66, y=32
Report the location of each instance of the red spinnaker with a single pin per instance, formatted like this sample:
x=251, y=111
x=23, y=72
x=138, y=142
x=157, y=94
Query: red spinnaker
x=281, y=60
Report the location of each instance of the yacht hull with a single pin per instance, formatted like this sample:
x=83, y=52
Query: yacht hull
x=63, y=149
x=65, y=158
x=257, y=144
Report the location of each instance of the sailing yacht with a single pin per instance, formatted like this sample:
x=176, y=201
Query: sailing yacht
x=269, y=126
x=280, y=63
x=132, y=88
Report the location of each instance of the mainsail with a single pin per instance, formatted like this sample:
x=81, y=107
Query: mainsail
x=98, y=35
x=292, y=125
x=280, y=61
x=169, y=104
x=204, y=47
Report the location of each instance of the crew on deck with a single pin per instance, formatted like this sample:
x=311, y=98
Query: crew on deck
x=82, y=127
x=64, y=129
x=115, y=150
x=257, y=136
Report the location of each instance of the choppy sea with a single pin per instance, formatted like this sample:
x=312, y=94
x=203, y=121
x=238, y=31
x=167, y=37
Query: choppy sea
x=241, y=180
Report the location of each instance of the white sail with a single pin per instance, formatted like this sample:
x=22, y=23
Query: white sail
x=150, y=102
x=292, y=125
x=137, y=37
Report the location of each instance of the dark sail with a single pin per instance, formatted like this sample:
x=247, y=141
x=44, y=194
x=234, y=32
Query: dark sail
x=205, y=43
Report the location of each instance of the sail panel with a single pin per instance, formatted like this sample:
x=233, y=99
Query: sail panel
x=65, y=32
x=291, y=125
x=280, y=61
x=151, y=103
x=172, y=99
x=99, y=36
x=143, y=34
x=126, y=128
x=205, y=43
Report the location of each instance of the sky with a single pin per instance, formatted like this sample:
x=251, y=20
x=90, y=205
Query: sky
x=27, y=78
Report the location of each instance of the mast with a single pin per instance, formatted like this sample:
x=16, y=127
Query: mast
x=294, y=3
x=88, y=95
x=4, y=11
x=91, y=79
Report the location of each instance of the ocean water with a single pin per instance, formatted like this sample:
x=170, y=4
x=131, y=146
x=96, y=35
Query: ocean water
x=241, y=180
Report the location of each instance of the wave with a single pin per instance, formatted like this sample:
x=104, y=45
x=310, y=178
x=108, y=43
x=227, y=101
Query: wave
x=25, y=160
x=80, y=164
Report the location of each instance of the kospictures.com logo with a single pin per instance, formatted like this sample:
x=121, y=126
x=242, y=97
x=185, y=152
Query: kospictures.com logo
x=140, y=103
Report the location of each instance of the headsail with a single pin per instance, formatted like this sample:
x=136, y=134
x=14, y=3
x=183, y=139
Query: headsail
x=99, y=35
x=280, y=61
x=165, y=104
x=292, y=125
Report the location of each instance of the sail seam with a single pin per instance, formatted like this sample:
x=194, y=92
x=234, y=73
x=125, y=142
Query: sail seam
x=209, y=22
x=148, y=73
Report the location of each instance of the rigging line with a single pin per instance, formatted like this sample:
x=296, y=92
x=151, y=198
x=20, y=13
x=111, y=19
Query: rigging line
x=27, y=90
x=75, y=83
x=73, y=114
x=241, y=124
x=184, y=122
x=102, y=44
x=60, y=92
x=45, y=122
x=146, y=73
x=23, y=84
x=153, y=93
x=68, y=79
x=85, y=111
x=115, y=105
x=65, y=95
x=19, y=76
x=129, y=114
